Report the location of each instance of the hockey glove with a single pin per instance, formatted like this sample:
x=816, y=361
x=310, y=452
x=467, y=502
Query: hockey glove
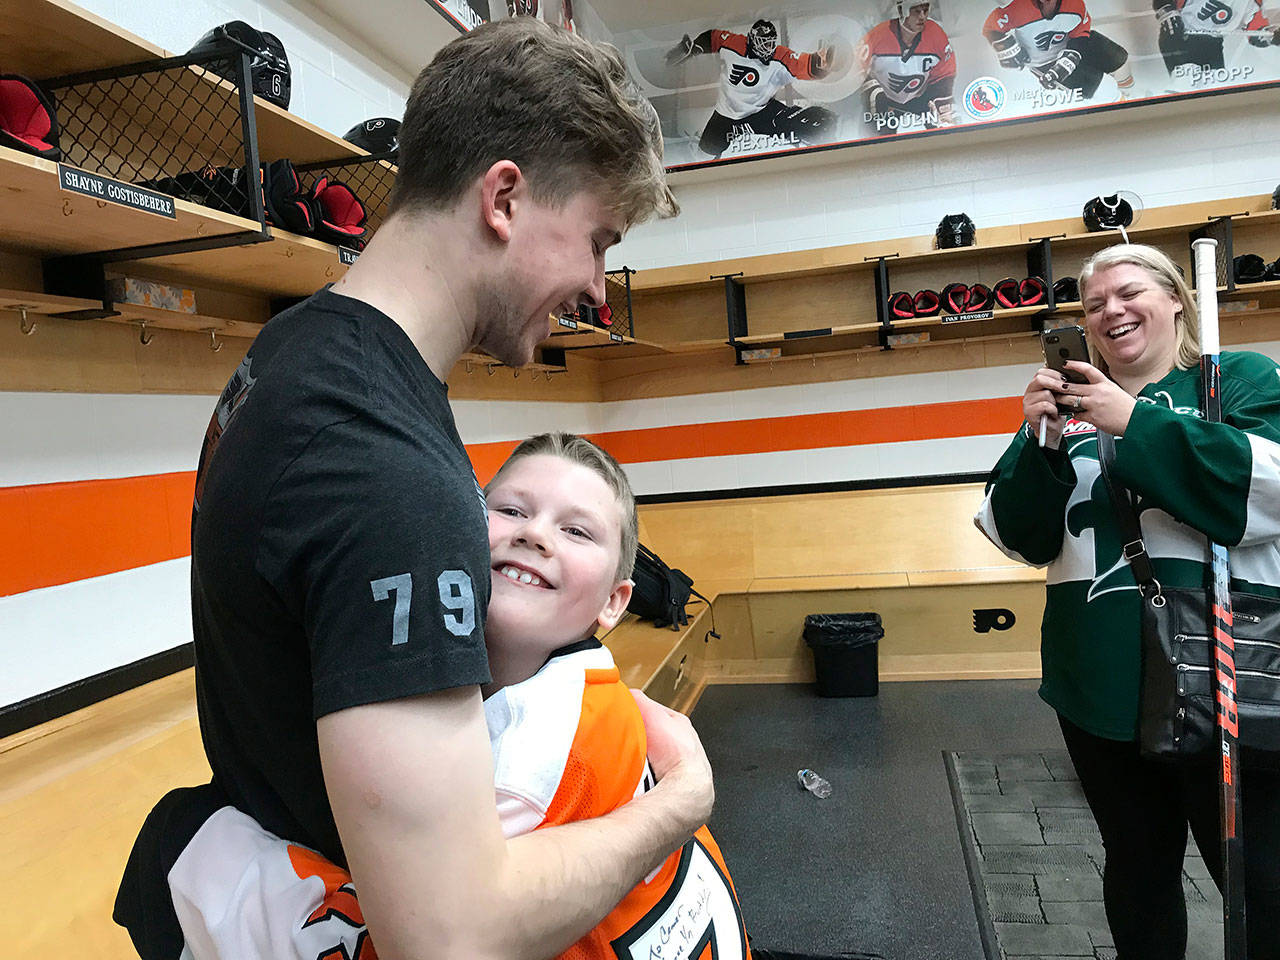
x=877, y=102
x=1057, y=73
x=682, y=51
x=1171, y=26
x=946, y=111
x=1266, y=41
x=1009, y=51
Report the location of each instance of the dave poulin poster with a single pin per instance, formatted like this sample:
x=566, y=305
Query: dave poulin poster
x=817, y=74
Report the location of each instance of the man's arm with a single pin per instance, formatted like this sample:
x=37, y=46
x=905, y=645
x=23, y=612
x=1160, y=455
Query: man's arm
x=411, y=786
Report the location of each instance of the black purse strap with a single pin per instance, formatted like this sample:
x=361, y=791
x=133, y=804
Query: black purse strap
x=1135, y=550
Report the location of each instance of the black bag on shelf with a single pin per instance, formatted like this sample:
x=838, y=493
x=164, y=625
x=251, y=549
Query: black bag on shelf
x=27, y=118
x=660, y=593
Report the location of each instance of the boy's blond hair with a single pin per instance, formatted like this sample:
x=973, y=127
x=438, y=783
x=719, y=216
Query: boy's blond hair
x=559, y=106
x=580, y=450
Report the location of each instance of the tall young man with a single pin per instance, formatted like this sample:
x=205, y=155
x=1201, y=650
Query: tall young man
x=340, y=569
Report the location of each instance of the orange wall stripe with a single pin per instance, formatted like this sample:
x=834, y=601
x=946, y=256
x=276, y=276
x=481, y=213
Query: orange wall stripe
x=56, y=533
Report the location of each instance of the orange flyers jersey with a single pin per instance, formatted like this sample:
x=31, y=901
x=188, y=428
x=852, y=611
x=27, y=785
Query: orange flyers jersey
x=1221, y=16
x=1043, y=38
x=906, y=72
x=747, y=84
x=569, y=744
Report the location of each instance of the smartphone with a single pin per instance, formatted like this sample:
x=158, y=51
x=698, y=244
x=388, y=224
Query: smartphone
x=1061, y=345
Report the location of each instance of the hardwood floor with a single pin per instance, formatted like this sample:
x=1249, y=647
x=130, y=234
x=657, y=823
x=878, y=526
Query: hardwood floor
x=73, y=793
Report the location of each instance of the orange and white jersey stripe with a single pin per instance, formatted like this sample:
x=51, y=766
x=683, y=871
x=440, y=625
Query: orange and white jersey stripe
x=568, y=744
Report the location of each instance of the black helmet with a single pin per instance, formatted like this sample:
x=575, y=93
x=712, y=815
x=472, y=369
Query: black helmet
x=378, y=135
x=1066, y=290
x=1249, y=268
x=762, y=40
x=268, y=67
x=955, y=230
x=1107, y=213
x=1275, y=198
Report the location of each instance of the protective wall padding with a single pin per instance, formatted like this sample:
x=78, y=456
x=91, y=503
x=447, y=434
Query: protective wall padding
x=902, y=306
x=928, y=303
x=979, y=298
x=1066, y=290
x=1006, y=293
x=955, y=230
x=1107, y=213
x=1249, y=268
x=27, y=120
x=340, y=216
x=955, y=296
x=1032, y=292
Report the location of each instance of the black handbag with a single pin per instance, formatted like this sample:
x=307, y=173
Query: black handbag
x=1177, y=717
x=660, y=593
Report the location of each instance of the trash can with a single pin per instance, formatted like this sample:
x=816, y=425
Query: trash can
x=846, y=650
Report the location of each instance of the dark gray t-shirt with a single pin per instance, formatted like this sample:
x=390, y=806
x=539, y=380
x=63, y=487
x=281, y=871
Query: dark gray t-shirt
x=339, y=553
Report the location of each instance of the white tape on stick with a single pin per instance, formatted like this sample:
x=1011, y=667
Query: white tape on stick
x=1205, y=252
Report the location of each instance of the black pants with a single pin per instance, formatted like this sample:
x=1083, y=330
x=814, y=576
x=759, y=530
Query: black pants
x=1142, y=808
x=808, y=125
x=1200, y=49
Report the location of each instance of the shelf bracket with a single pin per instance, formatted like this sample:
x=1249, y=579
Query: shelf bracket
x=735, y=302
x=882, y=299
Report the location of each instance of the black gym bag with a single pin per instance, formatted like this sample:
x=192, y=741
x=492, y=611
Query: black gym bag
x=660, y=593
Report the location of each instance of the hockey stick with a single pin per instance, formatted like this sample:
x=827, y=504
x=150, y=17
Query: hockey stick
x=1224, y=663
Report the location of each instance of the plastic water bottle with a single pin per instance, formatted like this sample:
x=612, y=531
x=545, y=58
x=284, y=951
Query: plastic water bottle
x=814, y=783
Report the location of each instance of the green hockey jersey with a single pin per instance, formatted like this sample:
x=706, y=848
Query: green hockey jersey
x=1194, y=480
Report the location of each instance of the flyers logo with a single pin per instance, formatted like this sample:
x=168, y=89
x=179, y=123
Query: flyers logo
x=335, y=930
x=745, y=76
x=1050, y=38
x=900, y=84
x=1219, y=13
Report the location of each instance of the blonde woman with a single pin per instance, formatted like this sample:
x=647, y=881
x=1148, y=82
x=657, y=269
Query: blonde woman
x=1194, y=480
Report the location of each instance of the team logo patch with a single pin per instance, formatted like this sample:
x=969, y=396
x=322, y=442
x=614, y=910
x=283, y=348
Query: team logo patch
x=745, y=76
x=1219, y=13
x=901, y=84
x=984, y=98
x=1050, y=38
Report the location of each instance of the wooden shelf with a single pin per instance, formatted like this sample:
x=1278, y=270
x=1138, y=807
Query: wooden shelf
x=39, y=217
x=584, y=336
x=131, y=313
x=484, y=360
x=285, y=266
x=44, y=304
x=782, y=337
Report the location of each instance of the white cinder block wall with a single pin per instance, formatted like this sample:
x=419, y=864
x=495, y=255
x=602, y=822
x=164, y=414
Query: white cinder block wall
x=335, y=85
x=871, y=193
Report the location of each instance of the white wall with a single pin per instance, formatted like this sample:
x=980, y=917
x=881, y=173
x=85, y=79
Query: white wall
x=335, y=85
x=1164, y=153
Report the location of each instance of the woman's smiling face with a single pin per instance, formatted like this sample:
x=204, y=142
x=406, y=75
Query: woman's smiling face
x=1130, y=319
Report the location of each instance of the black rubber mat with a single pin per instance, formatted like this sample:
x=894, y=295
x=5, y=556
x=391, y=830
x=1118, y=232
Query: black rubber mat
x=1035, y=861
x=878, y=868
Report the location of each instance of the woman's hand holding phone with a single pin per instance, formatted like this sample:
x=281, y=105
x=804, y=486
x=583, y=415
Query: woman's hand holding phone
x=1040, y=407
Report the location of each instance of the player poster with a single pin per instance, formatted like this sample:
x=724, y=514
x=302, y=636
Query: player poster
x=801, y=75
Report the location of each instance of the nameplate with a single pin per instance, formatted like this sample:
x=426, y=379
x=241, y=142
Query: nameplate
x=956, y=318
x=616, y=337
x=347, y=256
x=113, y=191
x=566, y=322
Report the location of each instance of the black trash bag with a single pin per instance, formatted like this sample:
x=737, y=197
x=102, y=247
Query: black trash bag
x=846, y=648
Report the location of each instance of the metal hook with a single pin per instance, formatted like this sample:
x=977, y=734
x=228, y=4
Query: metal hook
x=491, y=367
x=214, y=345
x=142, y=333
x=533, y=375
x=27, y=328
x=467, y=365
x=515, y=373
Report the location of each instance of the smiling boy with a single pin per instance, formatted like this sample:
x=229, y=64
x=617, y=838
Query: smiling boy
x=567, y=737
